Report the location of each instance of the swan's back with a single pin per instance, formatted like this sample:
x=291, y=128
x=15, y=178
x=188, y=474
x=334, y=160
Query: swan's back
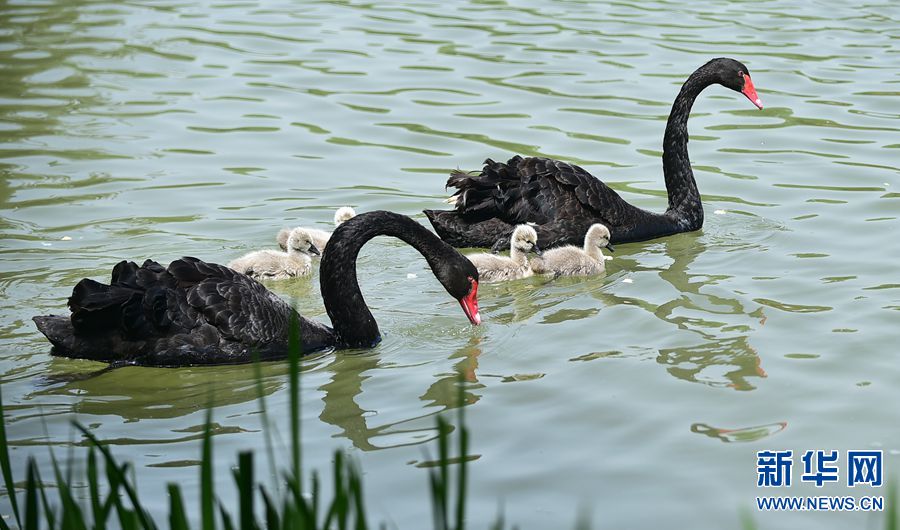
x=191, y=312
x=559, y=197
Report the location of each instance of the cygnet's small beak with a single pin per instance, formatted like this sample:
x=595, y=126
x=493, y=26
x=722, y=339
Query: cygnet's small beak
x=537, y=250
x=315, y=250
x=610, y=248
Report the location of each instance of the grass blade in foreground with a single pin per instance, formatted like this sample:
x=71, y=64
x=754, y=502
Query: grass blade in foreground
x=6, y=469
x=207, y=499
x=177, y=517
x=243, y=476
x=346, y=510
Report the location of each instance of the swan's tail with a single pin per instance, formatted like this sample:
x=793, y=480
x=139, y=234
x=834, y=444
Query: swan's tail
x=134, y=303
x=456, y=230
x=491, y=193
x=482, y=205
x=105, y=317
x=58, y=330
x=67, y=342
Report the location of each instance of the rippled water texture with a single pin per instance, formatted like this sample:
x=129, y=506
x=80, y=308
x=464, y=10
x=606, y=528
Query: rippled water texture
x=161, y=129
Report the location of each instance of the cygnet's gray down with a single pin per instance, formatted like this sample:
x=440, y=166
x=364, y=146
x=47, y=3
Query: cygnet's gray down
x=493, y=268
x=277, y=265
x=573, y=261
x=319, y=237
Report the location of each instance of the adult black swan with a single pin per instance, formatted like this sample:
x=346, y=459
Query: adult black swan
x=195, y=312
x=564, y=200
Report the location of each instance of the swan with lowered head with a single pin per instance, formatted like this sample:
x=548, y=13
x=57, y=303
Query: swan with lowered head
x=193, y=312
x=493, y=268
x=319, y=237
x=564, y=199
x=277, y=265
x=573, y=261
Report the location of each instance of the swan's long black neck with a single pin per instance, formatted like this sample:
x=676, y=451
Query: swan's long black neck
x=684, y=198
x=351, y=319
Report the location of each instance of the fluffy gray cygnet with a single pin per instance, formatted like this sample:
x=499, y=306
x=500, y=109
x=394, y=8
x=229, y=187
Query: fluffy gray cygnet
x=573, y=261
x=493, y=268
x=277, y=265
x=319, y=237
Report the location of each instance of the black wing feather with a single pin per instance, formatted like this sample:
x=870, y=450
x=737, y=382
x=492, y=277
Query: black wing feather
x=191, y=312
x=241, y=308
x=561, y=199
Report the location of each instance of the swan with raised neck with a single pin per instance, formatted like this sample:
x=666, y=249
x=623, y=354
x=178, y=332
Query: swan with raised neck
x=563, y=200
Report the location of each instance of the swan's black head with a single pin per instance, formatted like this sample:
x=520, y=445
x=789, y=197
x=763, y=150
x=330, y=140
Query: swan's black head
x=734, y=75
x=460, y=278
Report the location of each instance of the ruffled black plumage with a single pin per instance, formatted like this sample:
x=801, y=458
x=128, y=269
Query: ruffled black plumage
x=561, y=199
x=190, y=313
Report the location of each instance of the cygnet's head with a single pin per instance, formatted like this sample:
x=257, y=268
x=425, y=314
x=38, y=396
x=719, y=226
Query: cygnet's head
x=598, y=236
x=524, y=239
x=299, y=241
x=344, y=213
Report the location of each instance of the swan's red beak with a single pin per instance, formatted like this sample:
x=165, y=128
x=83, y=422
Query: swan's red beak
x=469, y=304
x=750, y=91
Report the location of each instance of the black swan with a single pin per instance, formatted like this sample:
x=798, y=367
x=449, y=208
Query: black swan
x=194, y=312
x=564, y=200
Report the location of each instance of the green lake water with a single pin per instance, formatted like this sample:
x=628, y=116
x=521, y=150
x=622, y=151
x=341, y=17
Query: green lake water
x=160, y=129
